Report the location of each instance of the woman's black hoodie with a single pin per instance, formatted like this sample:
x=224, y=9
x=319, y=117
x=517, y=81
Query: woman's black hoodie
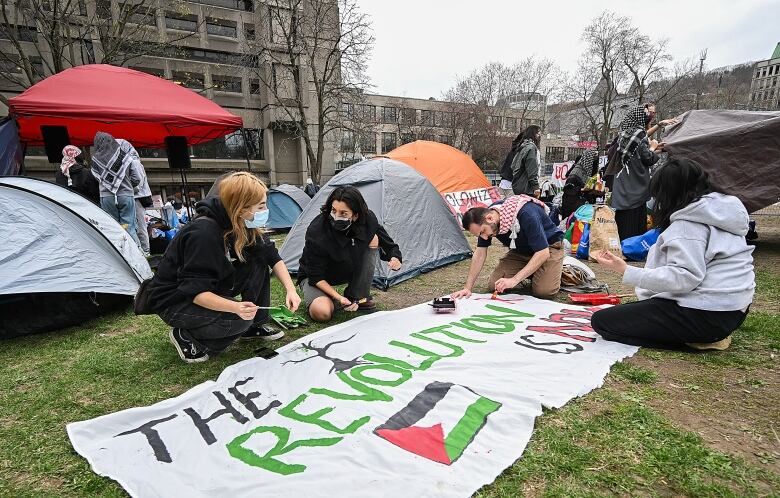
x=334, y=256
x=197, y=260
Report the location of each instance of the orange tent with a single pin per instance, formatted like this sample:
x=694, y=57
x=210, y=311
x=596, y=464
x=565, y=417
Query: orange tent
x=447, y=168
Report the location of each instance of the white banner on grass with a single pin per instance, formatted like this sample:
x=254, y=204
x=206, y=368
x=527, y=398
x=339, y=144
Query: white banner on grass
x=400, y=403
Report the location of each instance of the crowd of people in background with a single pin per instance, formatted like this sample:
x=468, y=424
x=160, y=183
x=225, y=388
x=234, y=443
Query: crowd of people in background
x=212, y=285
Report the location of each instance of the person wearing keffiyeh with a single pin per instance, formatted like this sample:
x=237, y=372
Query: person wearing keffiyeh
x=75, y=176
x=522, y=224
x=584, y=168
x=632, y=183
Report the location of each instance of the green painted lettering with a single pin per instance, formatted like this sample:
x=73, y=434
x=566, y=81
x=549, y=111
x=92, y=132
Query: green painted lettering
x=403, y=374
x=267, y=461
x=316, y=417
x=369, y=393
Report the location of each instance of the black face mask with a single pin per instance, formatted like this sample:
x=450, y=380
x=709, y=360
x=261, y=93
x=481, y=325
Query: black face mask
x=340, y=225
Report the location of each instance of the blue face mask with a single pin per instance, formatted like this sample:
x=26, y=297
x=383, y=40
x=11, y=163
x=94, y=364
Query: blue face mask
x=259, y=220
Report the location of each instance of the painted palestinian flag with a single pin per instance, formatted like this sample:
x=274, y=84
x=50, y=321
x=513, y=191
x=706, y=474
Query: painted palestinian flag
x=439, y=423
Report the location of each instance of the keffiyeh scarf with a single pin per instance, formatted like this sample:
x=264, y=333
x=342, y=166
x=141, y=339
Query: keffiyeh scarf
x=632, y=133
x=109, y=162
x=508, y=214
x=69, y=154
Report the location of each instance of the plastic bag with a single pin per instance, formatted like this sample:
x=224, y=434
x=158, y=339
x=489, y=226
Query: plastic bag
x=582, y=247
x=636, y=248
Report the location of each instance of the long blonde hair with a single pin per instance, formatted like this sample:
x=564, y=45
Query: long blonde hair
x=238, y=192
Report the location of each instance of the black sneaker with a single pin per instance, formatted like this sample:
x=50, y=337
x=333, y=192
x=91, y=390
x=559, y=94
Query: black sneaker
x=263, y=332
x=187, y=350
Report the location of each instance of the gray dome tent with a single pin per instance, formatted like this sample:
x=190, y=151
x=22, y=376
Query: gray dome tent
x=63, y=260
x=407, y=205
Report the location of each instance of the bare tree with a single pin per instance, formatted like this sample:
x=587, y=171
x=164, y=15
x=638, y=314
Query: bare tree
x=482, y=100
x=645, y=60
x=315, y=61
x=49, y=36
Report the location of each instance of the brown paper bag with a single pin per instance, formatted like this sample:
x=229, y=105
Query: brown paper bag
x=604, y=233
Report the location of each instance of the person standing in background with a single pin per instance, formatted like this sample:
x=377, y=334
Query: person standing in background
x=525, y=165
x=75, y=176
x=111, y=168
x=142, y=195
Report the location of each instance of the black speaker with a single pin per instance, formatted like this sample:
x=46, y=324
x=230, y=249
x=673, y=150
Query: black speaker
x=178, y=152
x=55, y=138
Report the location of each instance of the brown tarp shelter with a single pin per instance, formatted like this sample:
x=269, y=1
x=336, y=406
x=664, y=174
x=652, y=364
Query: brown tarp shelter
x=740, y=149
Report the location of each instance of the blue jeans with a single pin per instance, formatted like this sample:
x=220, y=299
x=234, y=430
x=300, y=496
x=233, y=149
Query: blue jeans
x=122, y=209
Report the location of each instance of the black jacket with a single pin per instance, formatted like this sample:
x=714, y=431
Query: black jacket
x=334, y=256
x=82, y=182
x=197, y=260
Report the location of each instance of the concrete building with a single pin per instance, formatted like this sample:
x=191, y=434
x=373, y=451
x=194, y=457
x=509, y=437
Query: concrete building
x=764, y=88
x=209, y=38
x=380, y=123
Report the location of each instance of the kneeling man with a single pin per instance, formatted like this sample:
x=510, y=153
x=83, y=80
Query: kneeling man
x=535, y=246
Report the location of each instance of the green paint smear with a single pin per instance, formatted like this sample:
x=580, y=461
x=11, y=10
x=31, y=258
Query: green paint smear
x=316, y=417
x=468, y=426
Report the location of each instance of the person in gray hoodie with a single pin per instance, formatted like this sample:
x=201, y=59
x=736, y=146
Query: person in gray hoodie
x=698, y=282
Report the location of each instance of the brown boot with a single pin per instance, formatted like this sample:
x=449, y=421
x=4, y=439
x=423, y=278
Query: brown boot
x=720, y=345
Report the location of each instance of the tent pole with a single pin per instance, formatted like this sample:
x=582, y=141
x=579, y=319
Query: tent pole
x=246, y=150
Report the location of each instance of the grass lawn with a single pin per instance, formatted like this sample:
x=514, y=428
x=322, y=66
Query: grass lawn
x=664, y=424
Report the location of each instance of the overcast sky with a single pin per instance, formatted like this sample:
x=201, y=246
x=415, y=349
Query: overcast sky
x=422, y=46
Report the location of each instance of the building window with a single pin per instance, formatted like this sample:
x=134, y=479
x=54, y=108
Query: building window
x=574, y=153
x=230, y=84
x=232, y=146
x=365, y=113
x=181, y=22
x=389, y=142
x=389, y=115
x=254, y=86
x=284, y=81
x=246, y=5
x=494, y=120
x=368, y=143
x=23, y=33
x=510, y=124
x=407, y=138
x=249, y=31
x=88, y=52
x=445, y=119
x=11, y=66
x=37, y=64
x=554, y=154
x=221, y=27
x=103, y=9
x=426, y=135
x=408, y=116
x=148, y=70
x=347, y=110
x=426, y=118
x=446, y=139
x=190, y=80
x=348, y=141
x=282, y=24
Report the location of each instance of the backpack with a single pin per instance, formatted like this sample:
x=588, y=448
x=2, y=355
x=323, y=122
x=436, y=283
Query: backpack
x=506, y=168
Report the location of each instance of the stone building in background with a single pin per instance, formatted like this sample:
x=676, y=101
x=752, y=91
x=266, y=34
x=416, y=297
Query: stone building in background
x=201, y=45
x=764, y=88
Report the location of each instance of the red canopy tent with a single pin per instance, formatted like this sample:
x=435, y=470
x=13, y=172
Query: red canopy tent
x=141, y=108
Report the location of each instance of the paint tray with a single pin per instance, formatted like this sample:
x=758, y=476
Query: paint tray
x=443, y=305
x=286, y=318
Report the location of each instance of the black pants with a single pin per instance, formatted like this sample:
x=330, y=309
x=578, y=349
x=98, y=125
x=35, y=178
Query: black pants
x=664, y=324
x=571, y=199
x=631, y=222
x=215, y=330
x=359, y=285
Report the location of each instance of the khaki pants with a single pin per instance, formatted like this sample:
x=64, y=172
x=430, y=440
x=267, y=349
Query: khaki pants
x=545, y=282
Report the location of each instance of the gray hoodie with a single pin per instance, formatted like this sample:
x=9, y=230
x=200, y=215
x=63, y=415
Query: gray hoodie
x=702, y=260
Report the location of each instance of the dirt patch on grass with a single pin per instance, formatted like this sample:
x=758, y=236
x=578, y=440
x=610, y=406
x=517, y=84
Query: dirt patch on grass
x=733, y=410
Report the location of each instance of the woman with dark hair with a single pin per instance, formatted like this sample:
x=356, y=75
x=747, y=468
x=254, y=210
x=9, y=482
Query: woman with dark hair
x=698, y=282
x=506, y=167
x=75, y=176
x=525, y=165
x=341, y=247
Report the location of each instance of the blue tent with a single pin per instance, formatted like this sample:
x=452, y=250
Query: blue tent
x=11, y=150
x=285, y=203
